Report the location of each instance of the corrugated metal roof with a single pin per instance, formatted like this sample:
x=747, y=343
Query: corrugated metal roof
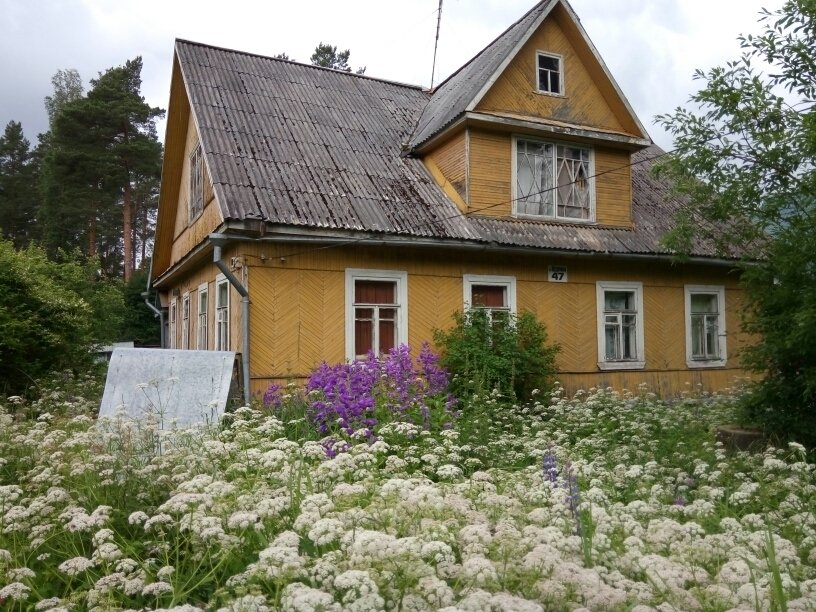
x=308, y=147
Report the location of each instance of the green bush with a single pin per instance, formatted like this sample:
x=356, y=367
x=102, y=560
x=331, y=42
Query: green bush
x=495, y=350
x=51, y=314
x=781, y=312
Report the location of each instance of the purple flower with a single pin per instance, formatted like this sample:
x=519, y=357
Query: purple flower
x=550, y=466
x=272, y=397
x=353, y=396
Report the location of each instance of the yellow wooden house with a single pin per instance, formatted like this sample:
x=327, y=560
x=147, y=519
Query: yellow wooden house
x=308, y=214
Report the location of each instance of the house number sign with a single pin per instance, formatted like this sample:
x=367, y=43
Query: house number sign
x=557, y=274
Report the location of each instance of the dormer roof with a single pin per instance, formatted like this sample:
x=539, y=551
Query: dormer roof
x=461, y=92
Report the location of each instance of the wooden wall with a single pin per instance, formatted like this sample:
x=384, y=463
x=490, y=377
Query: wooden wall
x=207, y=273
x=491, y=179
x=449, y=162
x=187, y=235
x=588, y=98
x=297, y=311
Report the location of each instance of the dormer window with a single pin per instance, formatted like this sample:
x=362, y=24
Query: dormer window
x=550, y=73
x=553, y=180
x=196, y=184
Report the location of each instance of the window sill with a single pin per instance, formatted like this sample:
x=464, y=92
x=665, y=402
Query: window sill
x=560, y=220
x=621, y=365
x=549, y=93
x=698, y=364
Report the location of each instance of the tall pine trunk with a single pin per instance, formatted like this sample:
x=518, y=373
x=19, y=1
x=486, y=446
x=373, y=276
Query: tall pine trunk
x=127, y=229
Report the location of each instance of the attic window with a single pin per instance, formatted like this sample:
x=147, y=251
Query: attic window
x=553, y=180
x=550, y=73
x=196, y=184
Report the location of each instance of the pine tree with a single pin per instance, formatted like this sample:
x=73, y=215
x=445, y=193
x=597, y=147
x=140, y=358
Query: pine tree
x=102, y=147
x=18, y=186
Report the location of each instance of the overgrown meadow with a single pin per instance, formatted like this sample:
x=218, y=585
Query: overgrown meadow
x=372, y=489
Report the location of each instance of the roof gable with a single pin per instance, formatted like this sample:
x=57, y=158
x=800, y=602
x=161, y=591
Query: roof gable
x=474, y=86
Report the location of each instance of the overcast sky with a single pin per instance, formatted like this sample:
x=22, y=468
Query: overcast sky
x=652, y=47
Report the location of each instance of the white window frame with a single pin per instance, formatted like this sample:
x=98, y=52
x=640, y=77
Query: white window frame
x=202, y=323
x=222, y=315
x=185, y=321
x=719, y=291
x=173, y=316
x=629, y=364
x=401, y=278
x=560, y=59
x=508, y=282
x=196, y=202
x=556, y=144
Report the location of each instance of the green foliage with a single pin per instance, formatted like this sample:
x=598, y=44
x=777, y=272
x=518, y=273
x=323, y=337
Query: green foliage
x=326, y=55
x=139, y=323
x=744, y=160
x=782, y=302
x=101, y=162
x=18, y=198
x=494, y=350
x=51, y=313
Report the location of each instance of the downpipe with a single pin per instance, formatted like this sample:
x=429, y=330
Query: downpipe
x=218, y=241
x=159, y=313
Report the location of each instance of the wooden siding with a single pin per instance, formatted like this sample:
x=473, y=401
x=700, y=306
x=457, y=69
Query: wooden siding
x=191, y=282
x=491, y=176
x=187, y=235
x=490, y=173
x=613, y=187
x=450, y=161
x=297, y=311
x=589, y=99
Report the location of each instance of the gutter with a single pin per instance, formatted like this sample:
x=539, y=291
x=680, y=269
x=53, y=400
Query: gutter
x=274, y=235
x=219, y=241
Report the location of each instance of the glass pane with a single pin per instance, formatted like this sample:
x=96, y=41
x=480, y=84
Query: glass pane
x=223, y=294
x=619, y=300
x=712, y=336
x=629, y=337
x=388, y=335
x=704, y=302
x=534, y=178
x=375, y=292
x=202, y=301
x=550, y=63
x=697, y=334
x=490, y=296
x=363, y=336
x=612, y=342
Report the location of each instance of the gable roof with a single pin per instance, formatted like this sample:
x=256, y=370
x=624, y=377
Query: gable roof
x=463, y=90
x=304, y=150
x=300, y=145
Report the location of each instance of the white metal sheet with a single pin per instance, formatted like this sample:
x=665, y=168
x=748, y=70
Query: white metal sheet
x=177, y=388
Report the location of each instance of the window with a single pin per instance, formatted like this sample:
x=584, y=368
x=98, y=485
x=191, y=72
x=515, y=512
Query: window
x=376, y=311
x=203, y=308
x=196, y=183
x=185, y=321
x=493, y=293
x=173, y=316
x=553, y=180
x=705, y=326
x=620, y=326
x=222, y=317
x=549, y=73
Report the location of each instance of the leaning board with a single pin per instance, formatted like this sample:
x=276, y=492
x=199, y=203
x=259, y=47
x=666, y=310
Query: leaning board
x=178, y=388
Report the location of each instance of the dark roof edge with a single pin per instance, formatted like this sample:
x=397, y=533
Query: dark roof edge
x=488, y=45
x=277, y=59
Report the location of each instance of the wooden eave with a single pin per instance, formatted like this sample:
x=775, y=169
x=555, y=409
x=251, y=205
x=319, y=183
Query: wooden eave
x=178, y=115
